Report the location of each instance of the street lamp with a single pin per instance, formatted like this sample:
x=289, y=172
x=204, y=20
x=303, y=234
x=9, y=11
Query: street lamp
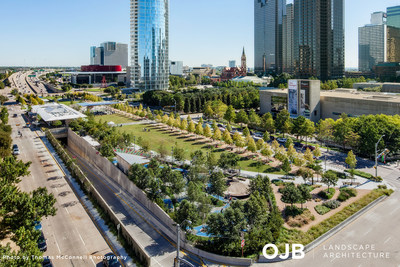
x=134, y=143
x=376, y=156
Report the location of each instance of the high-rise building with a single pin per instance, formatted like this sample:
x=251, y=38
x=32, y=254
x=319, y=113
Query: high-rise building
x=372, y=42
x=150, y=44
x=393, y=16
x=232, y=63
x=287, y=40
x=109, y=54
x=176, y=68
x=393, y=44
x=268, y=17
x=319, y=38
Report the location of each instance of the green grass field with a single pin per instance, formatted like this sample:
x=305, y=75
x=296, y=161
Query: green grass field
x=117, y=119
x=169, y=139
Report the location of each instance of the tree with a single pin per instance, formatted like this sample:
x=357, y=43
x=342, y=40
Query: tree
x=199, y=129
x=267, y=151
x=212, y=161
x=217, y=134
x=275, y=145
x=217, y=183
x=208, y=111
x=260, y=144
x=254, y=119
x=226, y=136
x=251, y=145
x=3, y=99
x=291, y=194
x=282, y=118
x=145, y=144
x=351, y=160
x=306, y=174
x=286, y=166
x=229, y=127
x=191, y=128
x=246, y=132
x=139, y=175
x=230, y=114
x=207, y=131
x=178, y=153
x=291, y=152
x=239, y=142
x=308, y=156
x=185, y=213
x=317, y=152
x=304, y=193
x=329, y=178
x=228, y=160
x=266, y=136
x=184, y=125
x=261, y=184
x=194, y=191
x=5, y=144
x=288, y=142
x=242, y=117
x=268, y=123
x=162, y=150
x=256, y=209
x=177, y=182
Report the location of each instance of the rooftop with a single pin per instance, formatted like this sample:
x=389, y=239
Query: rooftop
x=55, y=112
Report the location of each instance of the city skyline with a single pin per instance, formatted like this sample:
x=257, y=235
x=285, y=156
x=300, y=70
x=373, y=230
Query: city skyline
x=34, y=41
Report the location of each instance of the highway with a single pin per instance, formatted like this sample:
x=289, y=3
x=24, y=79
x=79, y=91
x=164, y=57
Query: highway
x=157, y=245
x=71, y=232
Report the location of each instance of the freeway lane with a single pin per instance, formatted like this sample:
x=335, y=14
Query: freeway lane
x=71, y=232
x=157, y=245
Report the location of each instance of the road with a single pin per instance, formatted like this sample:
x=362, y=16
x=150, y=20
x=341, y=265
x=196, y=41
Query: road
x=71, y=232
x=157, y=245
x=379, y=228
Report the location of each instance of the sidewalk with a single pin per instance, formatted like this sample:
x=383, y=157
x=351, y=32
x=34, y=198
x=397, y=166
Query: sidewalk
x=90, y=209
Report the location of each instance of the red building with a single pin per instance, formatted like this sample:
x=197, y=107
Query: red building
x=99, y=68
x=230, y=73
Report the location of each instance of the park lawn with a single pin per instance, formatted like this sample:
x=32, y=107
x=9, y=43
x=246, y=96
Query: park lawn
x=168, y=139
x=117, y=119
x=93, y=89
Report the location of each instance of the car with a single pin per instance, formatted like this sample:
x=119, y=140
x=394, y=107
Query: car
x=15, y=115
x=47, y=262
x=41, y=242
x=312, y=148
x=37, y=225
x=259, y=134
x=298, y=144
x=271, y=138
x=281, y=140
x=110, y=260
x=15, y=150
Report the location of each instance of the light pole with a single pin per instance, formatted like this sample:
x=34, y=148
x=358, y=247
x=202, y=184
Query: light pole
x=134, y=143
x=376, y=156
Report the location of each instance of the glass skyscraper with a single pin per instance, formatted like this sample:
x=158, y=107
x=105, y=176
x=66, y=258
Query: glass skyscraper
x=268, y=17
x=393, y=16
x=318, y=41
x=149, y=44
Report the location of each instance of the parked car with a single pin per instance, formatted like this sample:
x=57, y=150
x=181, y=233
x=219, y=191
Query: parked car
x=47, y=262
x=298, y=144
x=312, y=148
x=110, y=260
x=281, y=140
x=15, y=150
x=42, y=245
x=15, y=115
x=37, y=225
x=258, y=134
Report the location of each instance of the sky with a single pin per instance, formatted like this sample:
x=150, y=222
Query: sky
x=60, y=33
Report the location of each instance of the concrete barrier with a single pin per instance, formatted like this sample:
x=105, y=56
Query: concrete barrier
x=158, y=217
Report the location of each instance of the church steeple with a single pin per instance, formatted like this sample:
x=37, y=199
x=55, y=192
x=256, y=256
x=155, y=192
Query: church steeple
x=244, y=65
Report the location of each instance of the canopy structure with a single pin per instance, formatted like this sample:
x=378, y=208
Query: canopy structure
x=56, y=112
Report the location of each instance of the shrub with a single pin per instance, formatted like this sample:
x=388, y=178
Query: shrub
x=332, y=204
x=346, y=193
x=302, y=219
x=321, y=209
x=293, y=211
x=327, y=195
x=340, y=175
x=382, y=186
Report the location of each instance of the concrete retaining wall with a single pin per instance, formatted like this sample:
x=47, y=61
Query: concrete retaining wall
x=160, y=219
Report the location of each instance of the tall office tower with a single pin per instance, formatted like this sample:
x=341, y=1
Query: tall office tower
x=372, y=42
x=232, y=63
x=393, y=16
x=109, y=54
x=150, y=44
x=268, y=16
x=319, y=38
x=287, y=40
x=393, y=44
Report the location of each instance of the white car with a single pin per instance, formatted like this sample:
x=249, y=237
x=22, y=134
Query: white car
x=15, y=150
x=281, y=140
